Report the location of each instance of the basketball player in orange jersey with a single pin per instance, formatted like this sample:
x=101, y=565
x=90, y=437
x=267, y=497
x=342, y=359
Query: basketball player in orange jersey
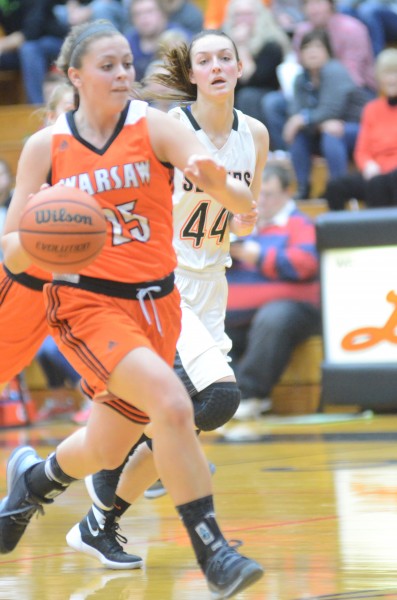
x=118, y=321
x=203, y=76
x=23, y=322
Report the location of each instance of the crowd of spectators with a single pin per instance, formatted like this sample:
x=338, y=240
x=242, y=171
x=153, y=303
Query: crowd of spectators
x=282, y=85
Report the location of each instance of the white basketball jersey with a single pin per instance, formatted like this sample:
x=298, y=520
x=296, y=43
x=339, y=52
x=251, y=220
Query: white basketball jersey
x=201, y=224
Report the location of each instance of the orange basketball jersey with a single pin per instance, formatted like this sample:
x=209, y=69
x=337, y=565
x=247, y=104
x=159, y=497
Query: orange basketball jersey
x=133, y=188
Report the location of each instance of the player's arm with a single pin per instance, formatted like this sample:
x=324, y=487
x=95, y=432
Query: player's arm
x=33, y=167
x=174, y=143
x=243, y=224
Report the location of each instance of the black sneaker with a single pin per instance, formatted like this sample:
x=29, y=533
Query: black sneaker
x=102, y=487
x=20, y=505
x=102, y=542
x=228, y=572
x=157, y=489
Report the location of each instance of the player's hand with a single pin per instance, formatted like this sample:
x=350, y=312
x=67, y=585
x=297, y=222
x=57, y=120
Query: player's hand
x=206, y=174
x=247, y=218
x=42, y=187
x=243, y=224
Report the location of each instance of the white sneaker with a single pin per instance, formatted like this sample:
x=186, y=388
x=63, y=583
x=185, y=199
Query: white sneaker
x=252, y=408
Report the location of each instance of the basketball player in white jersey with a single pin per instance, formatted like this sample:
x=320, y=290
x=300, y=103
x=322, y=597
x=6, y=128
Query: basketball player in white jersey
x=203, y=77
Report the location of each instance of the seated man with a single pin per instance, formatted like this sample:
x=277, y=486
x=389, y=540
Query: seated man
x=31, y=40
x=274, y=293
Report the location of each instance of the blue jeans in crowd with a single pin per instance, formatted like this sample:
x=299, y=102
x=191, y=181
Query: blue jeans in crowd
x=274, y=109
x=337, y=152
x=36, y=57
x=57, y=369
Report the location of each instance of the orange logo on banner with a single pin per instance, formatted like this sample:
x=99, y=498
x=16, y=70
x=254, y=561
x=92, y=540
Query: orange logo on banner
x=366, y=337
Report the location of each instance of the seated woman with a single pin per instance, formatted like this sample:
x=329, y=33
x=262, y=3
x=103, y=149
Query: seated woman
x=375, y=154
x=324, y=112
x=262, y=45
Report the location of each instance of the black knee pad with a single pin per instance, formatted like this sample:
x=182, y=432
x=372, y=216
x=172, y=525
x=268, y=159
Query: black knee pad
x=216, y=405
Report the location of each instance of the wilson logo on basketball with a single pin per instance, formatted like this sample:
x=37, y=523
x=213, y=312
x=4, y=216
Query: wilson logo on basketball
x=61, y=216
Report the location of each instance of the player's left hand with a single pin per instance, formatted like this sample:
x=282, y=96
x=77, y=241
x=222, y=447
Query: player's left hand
x=243, y=224
x=206, y=173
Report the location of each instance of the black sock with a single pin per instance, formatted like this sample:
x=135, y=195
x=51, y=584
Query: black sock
x=120, y=507
x=199, y=519
x=114, y=514
x=46, y=480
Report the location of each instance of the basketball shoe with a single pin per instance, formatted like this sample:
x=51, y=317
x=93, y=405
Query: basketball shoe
x=228, y=572
x=17, y=509
x=98, y=535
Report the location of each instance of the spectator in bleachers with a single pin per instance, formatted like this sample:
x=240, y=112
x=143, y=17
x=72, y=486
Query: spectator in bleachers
x=262, y=45
x=47, y=27
x=215, y=13
x=380, y=17
x=288, y=14
x=13, y=23
x=375, y=153
x=149, y=22
x=351, y=45
x=349, y=38
x=51, y=81
x=321, y=122
x=76, y=12
x=59, y=374
x=32, y=40
x=6, y=185
x=184, y=13
x=60, y=100
x=274, y=295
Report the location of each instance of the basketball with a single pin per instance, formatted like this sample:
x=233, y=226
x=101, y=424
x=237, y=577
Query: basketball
x=62, y=229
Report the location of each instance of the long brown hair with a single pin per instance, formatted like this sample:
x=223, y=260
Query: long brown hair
x=176, y=70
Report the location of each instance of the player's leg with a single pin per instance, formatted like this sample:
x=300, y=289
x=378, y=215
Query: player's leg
x=177, y=454
x=98, y=533
x=33, y=482
x=203, y=367
x=157, y=391
x=204, y=371
x=195, y=515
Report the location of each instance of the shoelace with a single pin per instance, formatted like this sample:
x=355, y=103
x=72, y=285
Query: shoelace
x=22, y=516
x=116, y=537
x=227, y=555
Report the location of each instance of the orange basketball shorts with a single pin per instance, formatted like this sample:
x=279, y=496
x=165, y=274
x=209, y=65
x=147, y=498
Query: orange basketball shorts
x=95, y=331
x=23, y=325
